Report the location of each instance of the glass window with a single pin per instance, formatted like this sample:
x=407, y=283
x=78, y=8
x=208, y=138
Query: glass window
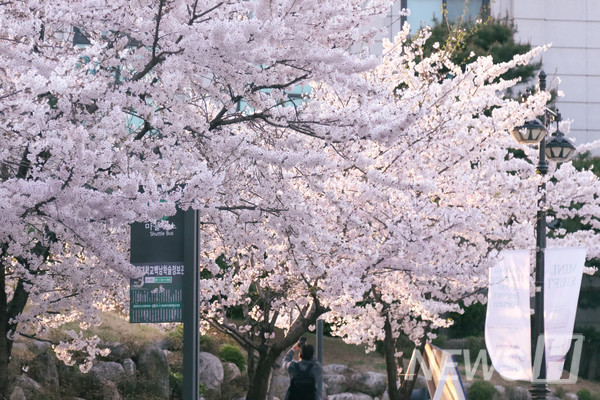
x=459, y=8
x=426, y=12
x=423, y=13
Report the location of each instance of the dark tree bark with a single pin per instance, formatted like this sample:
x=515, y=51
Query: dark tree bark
x=259, y=384
x=391, y=365
x=8, y=311
x=407, y=383
x=260, y=367
x=4, y=342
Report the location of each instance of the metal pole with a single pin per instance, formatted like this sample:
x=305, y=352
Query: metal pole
x=539, y=389
x=320, y=349
x=190, y=302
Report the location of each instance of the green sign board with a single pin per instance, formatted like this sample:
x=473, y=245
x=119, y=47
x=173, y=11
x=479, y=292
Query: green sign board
x=158, y=295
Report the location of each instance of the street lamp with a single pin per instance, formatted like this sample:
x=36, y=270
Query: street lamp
x=555, y=148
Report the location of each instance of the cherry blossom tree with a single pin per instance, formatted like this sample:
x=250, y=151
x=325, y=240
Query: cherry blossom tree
x=381, y=199
x=152, y=113
x=436, y=193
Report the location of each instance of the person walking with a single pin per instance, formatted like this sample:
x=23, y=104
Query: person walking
x=305, y=374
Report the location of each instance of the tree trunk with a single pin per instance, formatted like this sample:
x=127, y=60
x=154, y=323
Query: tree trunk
x=259, y=383
x=408, y=385
x=4, y=346
x=8, y=311
x=391, y=366
x=267, y=357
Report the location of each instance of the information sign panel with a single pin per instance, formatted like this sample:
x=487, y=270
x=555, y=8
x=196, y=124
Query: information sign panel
x=159, y=253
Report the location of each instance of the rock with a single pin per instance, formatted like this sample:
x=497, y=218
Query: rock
x=571, y=396
x=17, y=394
x=519, y=393
x=30, y=388
x=129, y=367
x=110, y=391
x=371, y=383
x=210, y=370
x=129, y=382
x=231, y=371
x=154, y=372
x=107, y=371
x=500, y=393
x=43, y=370
x=118, y=351
x=335, y=383
x=341, y=396
x=349, y=396
x=280, y=384
x=37, y=346
x=19, y=347
x=335, y=369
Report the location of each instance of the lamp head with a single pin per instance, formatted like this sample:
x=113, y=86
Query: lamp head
x=531, y=132
x=559, y=148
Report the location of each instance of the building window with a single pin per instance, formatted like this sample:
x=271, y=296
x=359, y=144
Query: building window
x=427, y=12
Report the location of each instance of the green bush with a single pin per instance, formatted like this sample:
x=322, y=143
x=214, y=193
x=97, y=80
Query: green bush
x=481, y=390
x=175, y=338
x=475, y=345
x=209, y=344
x=468, y=323
x=585, y=394
x=176, y=384
x=234, y=355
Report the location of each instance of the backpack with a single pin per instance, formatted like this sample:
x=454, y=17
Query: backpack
x=302, y=385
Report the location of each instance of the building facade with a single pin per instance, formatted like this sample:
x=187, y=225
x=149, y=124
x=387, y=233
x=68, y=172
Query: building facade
x=572, y=63
x=573, y=29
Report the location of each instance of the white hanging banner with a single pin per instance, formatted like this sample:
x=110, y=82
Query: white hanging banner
x=562, y=283
x=507, y=322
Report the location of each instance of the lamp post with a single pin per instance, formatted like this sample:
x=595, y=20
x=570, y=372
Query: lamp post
x=556, y=148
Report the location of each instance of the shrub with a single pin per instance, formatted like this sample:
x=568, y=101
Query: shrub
x=174, y=341
x=176, y=384
x=560, y=392
x=585, y=394
x=481, y=390
x=475, y=345
x=209, y=344
x=234, y=355
x=174, y=338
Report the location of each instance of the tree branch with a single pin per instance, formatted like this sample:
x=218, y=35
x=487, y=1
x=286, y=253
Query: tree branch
x=158, y=20
x=280, y=85
x=37, y=338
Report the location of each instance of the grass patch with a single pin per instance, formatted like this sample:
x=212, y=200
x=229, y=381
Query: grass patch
x=335, y=351
x=114, y=328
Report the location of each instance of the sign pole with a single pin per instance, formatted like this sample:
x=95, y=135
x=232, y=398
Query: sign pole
x=191, y=342
x=320, y=348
